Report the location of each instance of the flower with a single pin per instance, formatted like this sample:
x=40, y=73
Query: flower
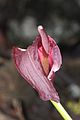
x=38, y=64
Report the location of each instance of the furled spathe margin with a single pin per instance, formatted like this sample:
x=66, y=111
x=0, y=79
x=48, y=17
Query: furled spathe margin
x=28, y=63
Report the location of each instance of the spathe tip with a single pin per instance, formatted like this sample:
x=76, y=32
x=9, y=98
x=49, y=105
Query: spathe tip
x=44, y=38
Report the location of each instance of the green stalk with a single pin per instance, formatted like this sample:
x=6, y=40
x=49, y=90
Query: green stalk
x=61, y=110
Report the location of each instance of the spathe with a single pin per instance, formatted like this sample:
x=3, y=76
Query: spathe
x=29, y=64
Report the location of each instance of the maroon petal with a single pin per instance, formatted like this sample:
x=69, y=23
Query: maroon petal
x=55, y=58
x=44, y=39
x=29, y=66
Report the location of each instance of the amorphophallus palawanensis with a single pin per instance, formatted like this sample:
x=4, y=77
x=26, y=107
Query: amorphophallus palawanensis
x=38, y=64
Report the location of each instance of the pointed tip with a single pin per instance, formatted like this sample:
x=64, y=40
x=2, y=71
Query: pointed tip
x=44, y=38
x=40, y=27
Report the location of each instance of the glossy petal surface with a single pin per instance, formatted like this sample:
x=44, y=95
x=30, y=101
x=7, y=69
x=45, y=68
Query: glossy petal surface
x=29, y=64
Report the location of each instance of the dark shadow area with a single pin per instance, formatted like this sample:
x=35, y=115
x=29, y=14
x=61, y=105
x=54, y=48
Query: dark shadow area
x=18, y=27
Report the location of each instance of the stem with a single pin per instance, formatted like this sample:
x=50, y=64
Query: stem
x=61, y=110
